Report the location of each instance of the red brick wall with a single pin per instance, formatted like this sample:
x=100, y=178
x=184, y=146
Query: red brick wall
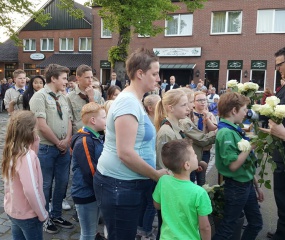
x=246, y=46
x=24, y=57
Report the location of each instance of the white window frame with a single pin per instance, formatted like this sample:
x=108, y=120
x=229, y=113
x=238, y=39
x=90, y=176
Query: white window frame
x=66, y=50
x=226, y=23
x=272, y=21
x=86, y=39
x=104, y=31
x=178, y=34
x=48, y=44
x=30, y=40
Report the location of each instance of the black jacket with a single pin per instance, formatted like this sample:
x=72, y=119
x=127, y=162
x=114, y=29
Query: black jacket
x=174, y=87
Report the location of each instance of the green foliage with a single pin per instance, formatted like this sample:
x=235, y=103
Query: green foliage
x=68, y=5
x=216, y=195
x=22, y=7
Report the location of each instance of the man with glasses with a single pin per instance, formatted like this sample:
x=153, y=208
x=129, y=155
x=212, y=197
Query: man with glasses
x=279, y=172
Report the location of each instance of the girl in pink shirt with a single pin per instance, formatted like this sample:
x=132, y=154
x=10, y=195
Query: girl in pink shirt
x=24, y=200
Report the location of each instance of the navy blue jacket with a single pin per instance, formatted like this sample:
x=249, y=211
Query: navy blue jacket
x=86, y=150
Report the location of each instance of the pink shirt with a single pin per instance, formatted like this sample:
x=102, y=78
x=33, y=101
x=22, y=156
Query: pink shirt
x=24, y=197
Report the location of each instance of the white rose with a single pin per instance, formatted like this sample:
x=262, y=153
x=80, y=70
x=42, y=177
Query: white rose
x=266, y=110
x=240, y=87
x=232, y=83
x=272, y=101
x=244, y=145
x=256, y=107
x=279, y=111
x=251, y=86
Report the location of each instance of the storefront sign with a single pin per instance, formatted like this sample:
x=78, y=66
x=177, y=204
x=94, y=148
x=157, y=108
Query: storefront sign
x=178, y=52
x=235, y=64
x=105, y=64
x=215, y=64
x=258, y=64
x=37, y=56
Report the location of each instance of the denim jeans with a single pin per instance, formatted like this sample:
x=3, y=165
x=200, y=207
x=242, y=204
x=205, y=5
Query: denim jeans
x=148, y=211
x=239, y=197
x=88, y=215
x=55, y=165
x=201, y=176
x=279, y=194
x=27, y=229
x=120, y=203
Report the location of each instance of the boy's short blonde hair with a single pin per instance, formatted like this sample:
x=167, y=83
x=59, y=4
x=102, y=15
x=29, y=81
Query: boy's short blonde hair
x=17, y=72
x=90, y=110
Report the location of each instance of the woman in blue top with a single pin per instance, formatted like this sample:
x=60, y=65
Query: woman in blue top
x=126, y=168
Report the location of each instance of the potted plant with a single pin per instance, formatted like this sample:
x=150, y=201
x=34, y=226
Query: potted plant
x=216, y=195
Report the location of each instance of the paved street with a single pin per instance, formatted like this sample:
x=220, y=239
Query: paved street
x=268, y=208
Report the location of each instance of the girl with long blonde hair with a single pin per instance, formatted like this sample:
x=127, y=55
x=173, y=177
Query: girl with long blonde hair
x=24, y=200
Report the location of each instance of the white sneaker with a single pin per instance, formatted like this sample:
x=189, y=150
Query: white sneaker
x=65, y=205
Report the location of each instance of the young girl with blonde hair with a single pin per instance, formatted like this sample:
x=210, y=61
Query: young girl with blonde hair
x=24, y=200
x=149, y=103
x=169, y=110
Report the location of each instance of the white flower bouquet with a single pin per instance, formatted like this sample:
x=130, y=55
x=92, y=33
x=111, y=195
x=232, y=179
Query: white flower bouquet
x=271, y=109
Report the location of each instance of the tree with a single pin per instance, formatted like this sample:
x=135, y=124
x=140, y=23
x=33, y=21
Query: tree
x=126, y=17
x=8, y=9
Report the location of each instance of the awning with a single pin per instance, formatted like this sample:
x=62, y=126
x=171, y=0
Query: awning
x=177, y=66
x=70, y=60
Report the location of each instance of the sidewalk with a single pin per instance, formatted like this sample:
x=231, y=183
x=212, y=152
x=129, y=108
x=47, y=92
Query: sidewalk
x=268, y=208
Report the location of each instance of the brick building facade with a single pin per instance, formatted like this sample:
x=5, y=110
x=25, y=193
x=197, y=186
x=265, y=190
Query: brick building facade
x=243, y=50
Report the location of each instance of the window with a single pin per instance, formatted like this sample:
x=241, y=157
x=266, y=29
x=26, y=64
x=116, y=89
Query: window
x=270, y=21
x=85, y=44
x=105, y=33
x=258, y=77
x=46, y=44
x=66, y=44
x=179, y=25
x=234, y=74
x=226, y=22
x=29, y=44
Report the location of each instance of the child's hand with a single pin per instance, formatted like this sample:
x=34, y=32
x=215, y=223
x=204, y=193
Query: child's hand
x=260, y=194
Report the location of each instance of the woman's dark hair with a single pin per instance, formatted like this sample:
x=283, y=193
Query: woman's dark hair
x=30, y=92
x=111, y=91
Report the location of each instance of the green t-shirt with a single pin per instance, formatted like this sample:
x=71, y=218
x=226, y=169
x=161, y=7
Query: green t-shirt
x=227, y=151
x=181, y=203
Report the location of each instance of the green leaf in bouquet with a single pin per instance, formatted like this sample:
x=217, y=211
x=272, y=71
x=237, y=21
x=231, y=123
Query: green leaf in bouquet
x=267, y=184
x=269, y=139
x=260, y=181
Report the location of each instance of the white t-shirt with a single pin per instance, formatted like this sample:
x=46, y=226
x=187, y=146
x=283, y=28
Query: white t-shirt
x=109, y=163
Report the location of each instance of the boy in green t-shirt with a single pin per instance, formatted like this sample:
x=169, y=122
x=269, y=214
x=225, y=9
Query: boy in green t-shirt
x=184, y=205
x=238, y=169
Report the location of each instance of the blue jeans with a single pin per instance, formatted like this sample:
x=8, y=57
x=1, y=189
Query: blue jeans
x=120, y=203
x=239, y=197
x=27, y=229
x=88, y=215
x=201, y=176
x=55, y=165
x=148, y=211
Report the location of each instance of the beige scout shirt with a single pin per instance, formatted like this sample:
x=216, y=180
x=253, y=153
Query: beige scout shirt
x=205, y=129
x=76, y=103
x=44, y=106
x=12, y=94
x=164, y=135
x=200, y=139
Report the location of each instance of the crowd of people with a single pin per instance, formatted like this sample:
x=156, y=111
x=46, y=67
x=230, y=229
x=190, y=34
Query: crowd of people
x=133, y=153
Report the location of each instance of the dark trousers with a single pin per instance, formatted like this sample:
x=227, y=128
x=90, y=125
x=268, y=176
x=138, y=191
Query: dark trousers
x=279, y=194
x=239, y=197
x=120, y=202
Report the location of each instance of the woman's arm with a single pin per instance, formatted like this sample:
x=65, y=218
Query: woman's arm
x=126, y=127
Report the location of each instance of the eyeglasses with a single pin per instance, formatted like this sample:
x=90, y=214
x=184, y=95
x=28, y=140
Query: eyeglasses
x=279, y=64
x=201, y=100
